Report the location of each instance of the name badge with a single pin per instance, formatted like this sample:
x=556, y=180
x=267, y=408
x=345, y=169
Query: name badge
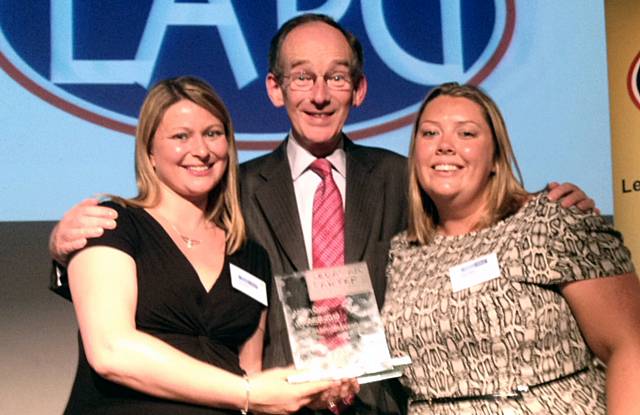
x=248, y=284
x=476, y=271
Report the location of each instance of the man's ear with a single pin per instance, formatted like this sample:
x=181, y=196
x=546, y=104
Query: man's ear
x=360, y=93
x=274, y=90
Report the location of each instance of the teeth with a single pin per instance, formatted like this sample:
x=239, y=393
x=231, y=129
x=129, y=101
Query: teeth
x=198, y=168
x=445, y=167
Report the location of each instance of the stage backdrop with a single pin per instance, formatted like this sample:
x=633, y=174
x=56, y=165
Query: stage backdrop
x=73, y=74
x=623, y=39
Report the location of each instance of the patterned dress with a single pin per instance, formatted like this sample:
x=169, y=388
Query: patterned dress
x=512, y=330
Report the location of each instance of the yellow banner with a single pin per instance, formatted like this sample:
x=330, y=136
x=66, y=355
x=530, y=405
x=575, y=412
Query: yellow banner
x=623, y=45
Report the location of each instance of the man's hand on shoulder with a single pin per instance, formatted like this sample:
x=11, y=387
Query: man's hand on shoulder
x=568, y=194
x=83, y=221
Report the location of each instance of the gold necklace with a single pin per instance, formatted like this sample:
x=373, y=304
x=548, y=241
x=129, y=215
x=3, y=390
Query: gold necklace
x=190, y=242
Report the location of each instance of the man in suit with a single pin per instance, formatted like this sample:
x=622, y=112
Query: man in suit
x=316, y=74
x=277, y=189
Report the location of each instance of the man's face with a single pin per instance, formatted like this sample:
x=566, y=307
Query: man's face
x=317, y=115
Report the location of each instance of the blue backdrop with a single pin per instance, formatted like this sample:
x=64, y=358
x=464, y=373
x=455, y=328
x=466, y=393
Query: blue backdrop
x=73, y=74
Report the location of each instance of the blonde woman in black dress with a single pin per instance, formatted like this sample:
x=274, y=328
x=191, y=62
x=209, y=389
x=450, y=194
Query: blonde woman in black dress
x=167, y=325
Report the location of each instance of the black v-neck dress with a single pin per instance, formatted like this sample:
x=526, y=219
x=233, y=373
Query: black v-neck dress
x=173, y=306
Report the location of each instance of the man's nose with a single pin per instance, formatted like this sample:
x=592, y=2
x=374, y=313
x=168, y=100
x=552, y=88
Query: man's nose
x=320, y=93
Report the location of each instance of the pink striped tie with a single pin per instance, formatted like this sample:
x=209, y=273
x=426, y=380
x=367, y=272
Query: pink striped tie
x=328, y=219
x=327, y=243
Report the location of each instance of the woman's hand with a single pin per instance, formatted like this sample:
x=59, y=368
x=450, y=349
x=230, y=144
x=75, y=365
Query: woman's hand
x=270, y=392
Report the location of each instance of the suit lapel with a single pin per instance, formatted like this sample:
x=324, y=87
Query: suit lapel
x=361, y=204
x=277, y=200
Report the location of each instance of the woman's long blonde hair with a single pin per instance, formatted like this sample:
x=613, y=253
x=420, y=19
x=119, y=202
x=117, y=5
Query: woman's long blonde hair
x=223, y=207
x=506, y=192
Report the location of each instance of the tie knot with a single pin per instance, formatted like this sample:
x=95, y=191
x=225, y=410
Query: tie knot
x=321, y=167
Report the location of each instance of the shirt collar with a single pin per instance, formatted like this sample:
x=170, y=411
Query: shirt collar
x=300, y=158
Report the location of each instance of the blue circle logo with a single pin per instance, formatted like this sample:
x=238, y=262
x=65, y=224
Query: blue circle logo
x=96, y=59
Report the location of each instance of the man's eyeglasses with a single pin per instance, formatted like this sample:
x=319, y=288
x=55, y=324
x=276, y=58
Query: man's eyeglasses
x=304, y=81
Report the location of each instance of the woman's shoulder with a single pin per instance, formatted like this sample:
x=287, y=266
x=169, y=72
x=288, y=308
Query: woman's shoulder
x=126, y=236
x=252, y=257
x=133, y=222
x=118, y=204
x=127, y=213
x=544, y=209
x=401, y=242
x=582, y=244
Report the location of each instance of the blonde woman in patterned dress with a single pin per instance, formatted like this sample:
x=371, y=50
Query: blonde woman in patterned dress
x=504, y=299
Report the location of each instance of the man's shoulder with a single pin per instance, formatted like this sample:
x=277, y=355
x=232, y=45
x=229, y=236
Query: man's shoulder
x=259, y=163
x=375, y=153
x=377, y=159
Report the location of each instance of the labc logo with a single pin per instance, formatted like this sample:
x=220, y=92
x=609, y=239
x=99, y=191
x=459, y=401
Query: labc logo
x=96, y=59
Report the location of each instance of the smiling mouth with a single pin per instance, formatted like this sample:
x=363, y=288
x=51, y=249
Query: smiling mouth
x=198, y=169
x=446, y=167
x=319, y=115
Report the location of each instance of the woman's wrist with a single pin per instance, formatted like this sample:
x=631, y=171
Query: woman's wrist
x=244, y=410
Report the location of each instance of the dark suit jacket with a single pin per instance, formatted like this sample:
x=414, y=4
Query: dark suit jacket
x=375, y=210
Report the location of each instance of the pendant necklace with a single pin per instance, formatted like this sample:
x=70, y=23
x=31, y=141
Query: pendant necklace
x=190, y=242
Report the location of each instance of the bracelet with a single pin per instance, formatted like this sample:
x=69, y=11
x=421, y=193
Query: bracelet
x=247, y=388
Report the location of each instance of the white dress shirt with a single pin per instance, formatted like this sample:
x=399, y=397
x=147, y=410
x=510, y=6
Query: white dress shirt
x=305, y=183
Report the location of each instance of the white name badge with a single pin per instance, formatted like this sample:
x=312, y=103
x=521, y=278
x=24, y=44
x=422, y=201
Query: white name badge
x=248, y=284
x=476, y=271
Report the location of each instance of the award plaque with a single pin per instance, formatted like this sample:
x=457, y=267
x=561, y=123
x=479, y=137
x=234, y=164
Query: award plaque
x=334, y=326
